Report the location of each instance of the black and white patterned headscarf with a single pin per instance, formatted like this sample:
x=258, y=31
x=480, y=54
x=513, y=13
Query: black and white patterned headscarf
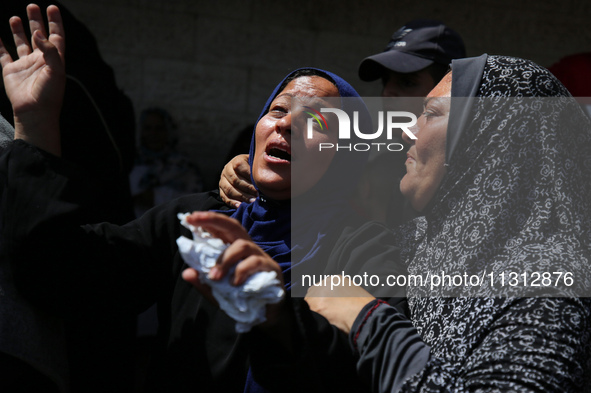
x=517, y=193
x=516, y=197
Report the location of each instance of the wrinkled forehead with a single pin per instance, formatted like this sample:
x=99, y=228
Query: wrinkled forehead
x=310, y=86
x=313, y=91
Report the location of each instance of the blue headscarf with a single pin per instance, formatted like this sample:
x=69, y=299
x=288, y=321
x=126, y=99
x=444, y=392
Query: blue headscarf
x=319, y=212
x=269, y=222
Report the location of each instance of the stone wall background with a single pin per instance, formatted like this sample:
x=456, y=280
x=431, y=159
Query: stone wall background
x=212, y=64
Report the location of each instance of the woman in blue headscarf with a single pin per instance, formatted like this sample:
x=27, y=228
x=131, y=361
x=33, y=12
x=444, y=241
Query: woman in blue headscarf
x=302, y=204
x=64, y=264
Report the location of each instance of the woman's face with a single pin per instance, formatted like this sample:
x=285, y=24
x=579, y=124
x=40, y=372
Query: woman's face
x=426, y=157
x=276, y=138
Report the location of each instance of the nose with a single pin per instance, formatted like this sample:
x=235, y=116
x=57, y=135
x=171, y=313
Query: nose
x=283, y=125
x=415, y=130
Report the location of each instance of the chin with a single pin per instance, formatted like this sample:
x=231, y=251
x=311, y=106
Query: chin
x=277, y=195
x=408, y=193
x=277, y=190
x=404, y=189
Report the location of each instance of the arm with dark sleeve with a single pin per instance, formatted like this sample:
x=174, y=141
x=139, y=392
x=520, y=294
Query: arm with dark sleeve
x=322, y=359
x=389, y=347
x=533, y=345
x=62, y=263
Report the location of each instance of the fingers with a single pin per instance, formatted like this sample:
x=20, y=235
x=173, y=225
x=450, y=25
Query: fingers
x=243, y=252
x=20, y=38
x=56, y=29
x=242, y=190
x=235, y=186
x=237, y=251
x=219, y=225
x=249, y=259
x=40, y=42
x=36, y=24
x=242, y=172
x=35, y=21
x=224, y=186
x=232, y=191
x=52, y=56
x=5, y=57
x=192, y=277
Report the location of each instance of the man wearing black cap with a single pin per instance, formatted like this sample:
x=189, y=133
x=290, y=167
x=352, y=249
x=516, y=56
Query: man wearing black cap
x=414, y=61
x=416, y=58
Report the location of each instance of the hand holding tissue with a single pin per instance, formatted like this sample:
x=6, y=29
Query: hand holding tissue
x=245, y=303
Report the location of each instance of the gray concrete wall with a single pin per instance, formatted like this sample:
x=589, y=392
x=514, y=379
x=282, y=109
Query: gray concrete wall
x=212, y=64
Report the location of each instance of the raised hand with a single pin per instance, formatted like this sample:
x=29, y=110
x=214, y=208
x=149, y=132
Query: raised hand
x=35, y=82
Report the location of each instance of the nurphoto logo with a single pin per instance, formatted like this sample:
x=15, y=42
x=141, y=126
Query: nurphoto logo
x=387, y=121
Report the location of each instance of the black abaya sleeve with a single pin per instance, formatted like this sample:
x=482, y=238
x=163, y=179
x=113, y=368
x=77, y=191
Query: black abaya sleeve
x=322, y=359
x=63, y=263
x=533, y=345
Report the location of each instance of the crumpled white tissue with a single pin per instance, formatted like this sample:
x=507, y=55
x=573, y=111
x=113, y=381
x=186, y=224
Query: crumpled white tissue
x=244, y=303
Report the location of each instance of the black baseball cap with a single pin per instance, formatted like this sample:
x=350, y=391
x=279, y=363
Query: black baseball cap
x=416, y=45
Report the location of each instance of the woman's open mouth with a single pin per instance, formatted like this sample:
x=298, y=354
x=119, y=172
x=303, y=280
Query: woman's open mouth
x=278, y=152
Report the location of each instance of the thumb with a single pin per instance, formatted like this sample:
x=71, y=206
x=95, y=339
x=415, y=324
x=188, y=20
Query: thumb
x=192, y=277
x=50, y=52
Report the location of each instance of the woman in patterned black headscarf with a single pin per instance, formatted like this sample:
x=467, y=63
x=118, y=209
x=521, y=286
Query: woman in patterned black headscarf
x=502, y=178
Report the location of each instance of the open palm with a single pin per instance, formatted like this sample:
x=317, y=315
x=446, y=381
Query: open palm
x=35, y=82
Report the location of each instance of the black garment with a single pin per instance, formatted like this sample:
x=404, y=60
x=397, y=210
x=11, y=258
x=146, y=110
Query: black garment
x=120, y=270
x=97, y=125
x=519, y=344
x=18, y=376
x=82, y=269
x=32, y=342
x=322, y=360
